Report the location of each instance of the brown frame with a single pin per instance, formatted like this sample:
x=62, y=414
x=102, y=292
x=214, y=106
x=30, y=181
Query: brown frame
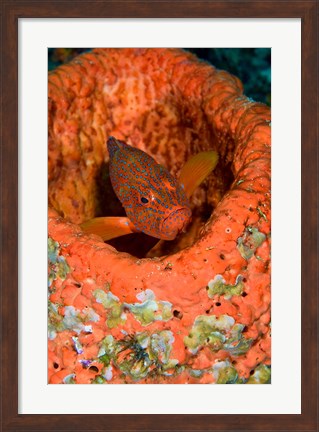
x=12, y=10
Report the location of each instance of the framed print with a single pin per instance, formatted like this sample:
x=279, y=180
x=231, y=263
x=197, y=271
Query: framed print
x=172, y=218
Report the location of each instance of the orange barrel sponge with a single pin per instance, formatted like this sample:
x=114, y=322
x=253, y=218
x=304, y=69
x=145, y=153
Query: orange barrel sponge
x=196, y=310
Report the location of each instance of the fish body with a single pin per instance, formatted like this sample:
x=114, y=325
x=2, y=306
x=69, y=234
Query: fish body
x=154, y=201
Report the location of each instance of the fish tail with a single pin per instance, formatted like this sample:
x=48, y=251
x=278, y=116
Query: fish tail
x=196, y=169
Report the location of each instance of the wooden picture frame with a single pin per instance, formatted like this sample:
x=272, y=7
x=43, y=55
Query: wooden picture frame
x=11, y=12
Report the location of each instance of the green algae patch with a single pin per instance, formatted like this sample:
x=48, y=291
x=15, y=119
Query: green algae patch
x=58, y=267
x=105, y=375
x=107, y=349
x=161, y=347
x=208, y=330
x=146, y=312
x=147, y=354
x=218, y=286
x=261, y=375
x=139, y=356
x=116, y=316
x=236, y=344
x=225, y=373
x=69, y=379
x=196, y=373
x=250, y=242
x=73, y=319
x=98, y=380
x=105, y=359
x=55, y=321
x=150, y=309
x=217, y=333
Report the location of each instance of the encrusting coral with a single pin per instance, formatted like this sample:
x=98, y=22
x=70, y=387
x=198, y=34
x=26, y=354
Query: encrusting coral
x=202, y=313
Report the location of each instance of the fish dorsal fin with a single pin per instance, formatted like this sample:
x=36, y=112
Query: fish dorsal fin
x=109, y=227
x=196, y=169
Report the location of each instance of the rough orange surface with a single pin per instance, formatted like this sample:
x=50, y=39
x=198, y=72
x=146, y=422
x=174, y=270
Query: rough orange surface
x=202, y=314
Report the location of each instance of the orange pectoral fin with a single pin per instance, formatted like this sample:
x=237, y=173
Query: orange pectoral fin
x=108, y=227
x=196, y=169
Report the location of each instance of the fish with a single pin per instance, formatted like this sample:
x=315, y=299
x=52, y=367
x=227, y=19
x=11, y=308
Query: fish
x=155, y=202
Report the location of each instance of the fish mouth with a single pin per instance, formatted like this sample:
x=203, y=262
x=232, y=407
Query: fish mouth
x=175, y=223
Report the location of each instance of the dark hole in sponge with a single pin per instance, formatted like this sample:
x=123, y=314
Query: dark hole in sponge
x=93, y=369
x=177, y=314
x=107, y=202
x=137, y=244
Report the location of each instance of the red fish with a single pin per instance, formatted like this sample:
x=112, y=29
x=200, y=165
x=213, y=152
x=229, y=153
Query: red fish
x=154, y=201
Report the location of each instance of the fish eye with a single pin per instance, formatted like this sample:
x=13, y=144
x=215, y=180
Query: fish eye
x=144, y=200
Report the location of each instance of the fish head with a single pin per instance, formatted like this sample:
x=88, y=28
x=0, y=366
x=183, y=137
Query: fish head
x=153, y=199
x=175, y=222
